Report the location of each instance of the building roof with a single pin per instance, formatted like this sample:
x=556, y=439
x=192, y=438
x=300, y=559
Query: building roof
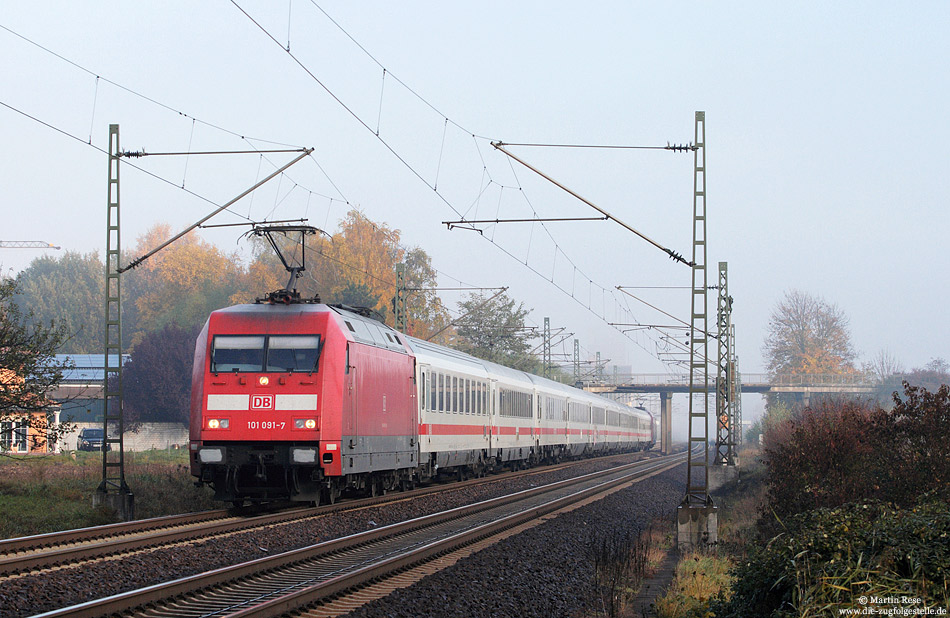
x=85, y=368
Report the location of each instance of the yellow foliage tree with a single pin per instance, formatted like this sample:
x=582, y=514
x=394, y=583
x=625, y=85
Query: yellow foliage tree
x=357, y=267
x=808, y=336
x=190, y=278
x=182, y=283
x=367, y=252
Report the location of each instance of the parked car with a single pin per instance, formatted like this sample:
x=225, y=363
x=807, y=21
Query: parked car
x=90, y=439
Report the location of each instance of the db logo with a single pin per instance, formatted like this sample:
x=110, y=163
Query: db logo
x=262, y=402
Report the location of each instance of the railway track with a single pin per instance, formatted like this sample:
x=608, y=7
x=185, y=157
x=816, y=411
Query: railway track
x=36, y=553
x=301, y=578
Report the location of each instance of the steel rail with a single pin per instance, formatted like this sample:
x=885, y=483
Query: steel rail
x=84, y=535
x=132, y=542
x=38, y=552
x=386, y=567
x=244, y=576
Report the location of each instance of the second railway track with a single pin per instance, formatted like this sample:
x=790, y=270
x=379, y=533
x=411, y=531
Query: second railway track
x=36, y=553
x=274, y=585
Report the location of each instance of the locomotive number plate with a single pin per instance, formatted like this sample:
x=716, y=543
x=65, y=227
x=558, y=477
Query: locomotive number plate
x=266, y=424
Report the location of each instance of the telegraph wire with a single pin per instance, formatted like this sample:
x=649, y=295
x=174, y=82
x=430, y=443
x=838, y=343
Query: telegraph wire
x=591, y=283
x=69, y=135
x=136, y=93
x=137, y=154
x=398, y=156
x=392, y=76
x=105, y=152
x=95, y=99
x=191, y=139
x=249, y=139
x=672, y=147
x=346, y=107
x=672, y=254
x=187, y=153
x=169, y=108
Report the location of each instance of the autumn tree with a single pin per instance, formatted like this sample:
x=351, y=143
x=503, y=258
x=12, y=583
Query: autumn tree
x=427, y=316
x=156, y=380
x=887, y=372
x=180, y=285
x=807, y=335
x=264, y=274
x=356, y=266
x=67, y=291
x=360, y=256
x=366, y=254
x=28, y=371
x=931, y=376
x=493, y=328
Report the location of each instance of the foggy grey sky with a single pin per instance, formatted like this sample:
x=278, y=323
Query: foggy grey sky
x=825, y=132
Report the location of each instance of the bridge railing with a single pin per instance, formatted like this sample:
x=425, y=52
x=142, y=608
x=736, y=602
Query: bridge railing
x=648, y=378
x=820, y=379
x=637, y=379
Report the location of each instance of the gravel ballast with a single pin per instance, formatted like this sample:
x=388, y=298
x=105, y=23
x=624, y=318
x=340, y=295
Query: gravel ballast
x=519, y=565
x=543, y=572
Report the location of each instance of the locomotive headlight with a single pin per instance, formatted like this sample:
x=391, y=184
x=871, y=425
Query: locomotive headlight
x=305, y=423
x=218, y=423
x=263, y=381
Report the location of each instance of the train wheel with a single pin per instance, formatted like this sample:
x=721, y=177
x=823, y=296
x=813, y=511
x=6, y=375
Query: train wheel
x=329, y=495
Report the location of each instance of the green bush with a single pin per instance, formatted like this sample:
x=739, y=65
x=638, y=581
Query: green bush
x=826, y=559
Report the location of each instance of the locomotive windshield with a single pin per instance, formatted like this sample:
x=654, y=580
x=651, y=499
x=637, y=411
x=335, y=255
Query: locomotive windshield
x=247, y=353
x=241, y=354
x=293, y=352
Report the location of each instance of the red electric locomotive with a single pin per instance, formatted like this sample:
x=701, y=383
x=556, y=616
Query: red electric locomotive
x=281, y=393
x=299, y=400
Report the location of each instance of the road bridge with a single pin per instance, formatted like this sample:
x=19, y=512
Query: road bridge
x=751, y=383
x=666, y=385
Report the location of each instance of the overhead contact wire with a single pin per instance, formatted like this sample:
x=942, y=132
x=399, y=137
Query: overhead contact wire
x=126, y=161
x=392, y=150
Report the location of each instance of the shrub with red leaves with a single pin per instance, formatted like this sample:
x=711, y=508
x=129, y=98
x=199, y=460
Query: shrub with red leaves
x=847, y=450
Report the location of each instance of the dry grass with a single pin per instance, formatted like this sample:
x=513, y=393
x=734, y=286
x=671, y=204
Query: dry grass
x=50, y=493
x=700, y=577
x=659, y=541
x=643, y=557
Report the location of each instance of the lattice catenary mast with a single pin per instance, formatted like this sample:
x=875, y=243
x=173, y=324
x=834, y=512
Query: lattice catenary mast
x=697, y=522
x=725, y=376
x=113, y=489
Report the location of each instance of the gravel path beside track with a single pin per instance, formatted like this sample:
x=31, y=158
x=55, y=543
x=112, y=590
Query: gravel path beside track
x=31, y=594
